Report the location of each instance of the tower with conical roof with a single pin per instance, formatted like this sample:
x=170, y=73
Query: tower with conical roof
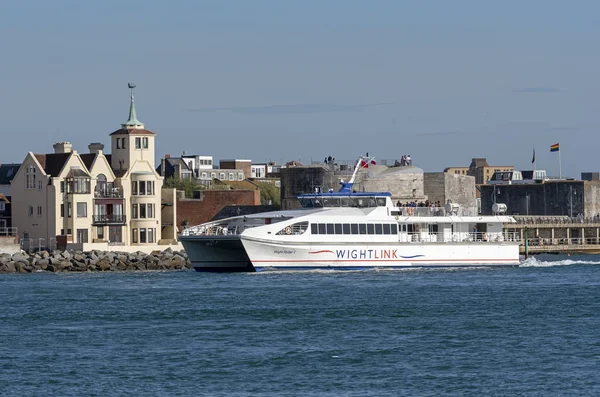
x=132, y=142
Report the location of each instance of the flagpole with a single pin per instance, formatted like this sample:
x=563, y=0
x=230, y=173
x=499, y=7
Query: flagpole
x=559, y=166
x=534, y=162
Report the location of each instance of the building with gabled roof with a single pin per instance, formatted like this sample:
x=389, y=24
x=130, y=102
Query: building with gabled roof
x=95, y=200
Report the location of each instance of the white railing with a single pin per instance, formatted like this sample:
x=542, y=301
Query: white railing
x=435, y=211
x=459, y=237
x=541, y=241
x=8, y=231
x=37, y=244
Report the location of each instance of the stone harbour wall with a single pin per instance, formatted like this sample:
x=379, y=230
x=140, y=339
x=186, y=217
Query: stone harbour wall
x=78, y=261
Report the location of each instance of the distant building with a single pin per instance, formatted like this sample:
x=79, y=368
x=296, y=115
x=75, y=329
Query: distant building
x=457, y=170
x=236, y=164
x=480, y=169
x=197, y=167
x=544, y=197
x=590, y=176
x=5, y=214
x=7, y=173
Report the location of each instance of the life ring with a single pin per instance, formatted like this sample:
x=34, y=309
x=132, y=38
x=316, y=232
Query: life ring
x=288, y=230
x=410, y=210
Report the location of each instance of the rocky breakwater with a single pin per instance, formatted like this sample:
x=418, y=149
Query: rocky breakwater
x=78, y=261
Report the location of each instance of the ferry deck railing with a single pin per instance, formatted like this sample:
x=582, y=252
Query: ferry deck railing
x=459, y=237
x=434, y=211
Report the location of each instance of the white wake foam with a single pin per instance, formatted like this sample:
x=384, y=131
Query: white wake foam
x=535, y=262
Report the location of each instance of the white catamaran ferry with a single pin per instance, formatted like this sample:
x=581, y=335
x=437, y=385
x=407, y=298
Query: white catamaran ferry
x=350, y=230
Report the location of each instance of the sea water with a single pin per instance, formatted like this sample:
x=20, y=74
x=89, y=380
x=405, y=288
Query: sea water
x=532, y=330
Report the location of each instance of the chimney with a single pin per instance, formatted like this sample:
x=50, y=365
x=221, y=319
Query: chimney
x=95, y=147
x=167, y=156
x=62, y=147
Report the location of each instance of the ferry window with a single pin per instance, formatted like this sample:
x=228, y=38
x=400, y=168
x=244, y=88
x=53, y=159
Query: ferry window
x=378, y=228
x=381, y=202
x=314, y=228
x=410, y=228
x=322, y=229
x=395, y=229
x=345, y=201
x=370, y=228
x=362, y=228
x=346, y=228
x=354, y=228
x=433, y=229
x=338, y=228
x=331, y=202
x=330, y=228
x=386, y=228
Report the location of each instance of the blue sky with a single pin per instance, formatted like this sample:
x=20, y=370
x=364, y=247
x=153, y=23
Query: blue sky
x=444, y=81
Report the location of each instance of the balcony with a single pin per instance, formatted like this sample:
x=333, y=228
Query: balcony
x=113, y=192
x=108, y=220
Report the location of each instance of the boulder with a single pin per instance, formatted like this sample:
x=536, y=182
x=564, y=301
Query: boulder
x=8, y=267
x=43, y=264
x=103, y=264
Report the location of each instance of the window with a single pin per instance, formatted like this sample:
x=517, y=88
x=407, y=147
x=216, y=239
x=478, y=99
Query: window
x=138, y=143
x=134, y=236
x=134, y=211
x=322, y=228
x=134, y=188
x=2, y=205
x=30, y=177
x=82, y=236
x=150, y=235
x=62, y=186
x=378, y=228
x=40, y=186
x=145, y=143
x=149, y=212
x=30, y=210
x=69, y=231
x=314, y=229
x=81, y=210
x=241, y=176
x=69, y=210
x=330, y=228
x=142, y=211
x=386, y=228
x=142, y=187
x=204, y=175
x=354, y=228
x=118, y=143
x=39, y=211
x=231, y=176
x=213, y=174
x=142, y=235
x=395, y=228
x=346, y=228
x=101, y=232
x=362, y=228
x=149, y=187
x=370, y=228
x=338, y=228
x=221, y=175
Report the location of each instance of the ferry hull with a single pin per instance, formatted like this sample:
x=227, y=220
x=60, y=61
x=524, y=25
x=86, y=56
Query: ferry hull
x=217, y=253
x=298, y=256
